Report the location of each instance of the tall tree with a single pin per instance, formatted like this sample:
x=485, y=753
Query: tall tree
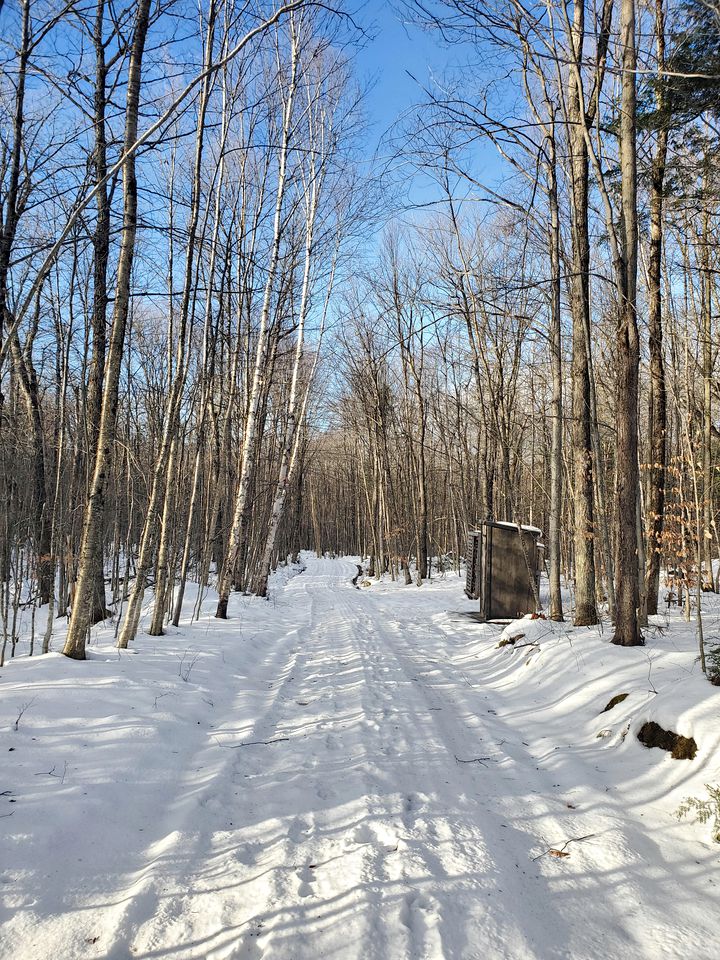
x=93, y=524
x=627, y=629
x=267, y=334
x=657, y=401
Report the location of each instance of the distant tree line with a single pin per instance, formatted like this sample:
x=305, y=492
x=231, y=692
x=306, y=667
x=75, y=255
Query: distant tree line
x=544, y=348
x=207, y=364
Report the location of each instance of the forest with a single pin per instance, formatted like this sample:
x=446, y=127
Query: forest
x=206, y=365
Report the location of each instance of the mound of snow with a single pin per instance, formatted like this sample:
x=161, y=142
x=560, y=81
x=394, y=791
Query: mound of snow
x=530, y=629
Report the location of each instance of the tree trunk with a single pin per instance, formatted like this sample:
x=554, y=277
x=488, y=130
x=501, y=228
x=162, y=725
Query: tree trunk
x=707, y=423
x=11, y=201
x=657, y=406
x=93, y=523
x=248, y=457
x=27, y=379
x=163, y=561
x=556, y=405
x=101, y=243
x=163, y=478
x=291, y=438
x=584, y=527
x=627, y=632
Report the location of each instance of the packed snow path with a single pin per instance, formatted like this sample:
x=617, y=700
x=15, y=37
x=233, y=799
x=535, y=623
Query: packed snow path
x=346, y=784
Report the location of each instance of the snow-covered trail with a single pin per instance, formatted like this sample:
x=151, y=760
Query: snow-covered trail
x=356, y=787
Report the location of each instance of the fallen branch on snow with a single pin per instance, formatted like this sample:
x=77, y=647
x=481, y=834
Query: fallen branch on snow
x=560, y=851
x=51, y=773
x=251, y=743
x=474, y=759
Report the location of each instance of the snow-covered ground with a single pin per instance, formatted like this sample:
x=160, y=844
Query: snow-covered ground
x=357, y=774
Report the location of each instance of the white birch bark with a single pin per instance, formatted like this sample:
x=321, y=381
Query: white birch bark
x=164, y=464
x=237, y=528
x=92, y=527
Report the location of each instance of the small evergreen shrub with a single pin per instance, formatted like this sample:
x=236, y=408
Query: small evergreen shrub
x=704, y=810
x=713, y=665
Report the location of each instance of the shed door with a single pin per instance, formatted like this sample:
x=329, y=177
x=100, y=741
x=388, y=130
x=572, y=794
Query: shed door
x=511, y=594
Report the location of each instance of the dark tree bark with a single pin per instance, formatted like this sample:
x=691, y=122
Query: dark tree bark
x=93, y=521
x=581, y=439
x=556, y=608
x=657, y=407
x=101, y=244
x=627, y=629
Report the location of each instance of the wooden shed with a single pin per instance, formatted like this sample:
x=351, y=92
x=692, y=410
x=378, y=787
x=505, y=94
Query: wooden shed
x=503, y=569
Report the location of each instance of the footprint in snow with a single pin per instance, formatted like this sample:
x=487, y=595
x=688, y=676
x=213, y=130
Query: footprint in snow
x=377, y=834
x=248, y=947
x=246, y=854
x=306, y=878
x=409, y=809
x=299, y=830
x=325, y=793
x=421, y=916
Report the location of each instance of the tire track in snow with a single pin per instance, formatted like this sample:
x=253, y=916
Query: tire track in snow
x=360, y=837
x=448, y=871
x=181, y=885
x=337, y=854
x=382, y=856
x=561, y=908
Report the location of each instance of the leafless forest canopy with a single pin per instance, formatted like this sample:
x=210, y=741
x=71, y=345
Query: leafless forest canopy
x=225, y=336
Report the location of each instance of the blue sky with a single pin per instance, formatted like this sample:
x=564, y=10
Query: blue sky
x=398, y=51
x=397, y=63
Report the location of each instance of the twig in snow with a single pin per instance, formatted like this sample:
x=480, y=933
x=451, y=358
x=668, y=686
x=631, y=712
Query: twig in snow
x=51, y=773
x=560, y=851
x=650, y=666
x=252, y=743
x=23, y=708
x=185, y=669
x=474, y=759
x=260, y=743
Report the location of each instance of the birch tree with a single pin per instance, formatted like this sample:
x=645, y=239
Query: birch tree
x=240, y=519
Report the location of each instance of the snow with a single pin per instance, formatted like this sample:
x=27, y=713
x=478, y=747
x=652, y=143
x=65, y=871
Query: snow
x=357, y=774
x=509, y=525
